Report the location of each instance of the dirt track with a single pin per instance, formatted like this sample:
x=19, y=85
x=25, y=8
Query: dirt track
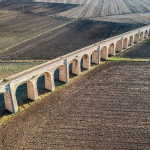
x=107, y=108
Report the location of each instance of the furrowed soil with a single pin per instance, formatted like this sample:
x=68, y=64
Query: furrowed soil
x=39, y=32
x=108, y=108
x=141, y=50
x=58, y=42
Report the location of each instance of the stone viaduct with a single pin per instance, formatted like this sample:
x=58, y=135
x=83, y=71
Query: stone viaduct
x=91, y=54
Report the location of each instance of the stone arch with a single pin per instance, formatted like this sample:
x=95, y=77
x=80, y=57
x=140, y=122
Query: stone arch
x=141, y=36
x=125, y=43
x=131, y=39
x=60, y=74
x=111, y=49
x=46, y=79
x=85, y=62
x=119, y=46
x=136, y=38
x=26, y=90
x=74, y=67
x=146, y=34
x=95, y=57
x=104, y=53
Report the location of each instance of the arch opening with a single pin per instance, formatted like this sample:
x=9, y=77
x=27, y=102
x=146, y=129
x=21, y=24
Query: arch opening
x=130, y=41
x=104, y=53
x=146, y=34
x=60, y=75
x=95, y=58
x=141, y=36
x=136, y=38
x=74, y=68
x=25, y=93
x=44, y=83
x=125, y=43
x=118, y=46
x=111, y=50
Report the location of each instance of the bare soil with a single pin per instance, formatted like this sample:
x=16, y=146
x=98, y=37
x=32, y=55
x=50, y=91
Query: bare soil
x=97, y=8
x=108, y=108
x=142, y=18
x=60, y=41
x=39, y=32
x=142, y=50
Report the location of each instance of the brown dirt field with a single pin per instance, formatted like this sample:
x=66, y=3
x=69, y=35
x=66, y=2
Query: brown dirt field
x=108, y=108
x=23, y=37
x=142, y=50
x=136, y=18
x=61, y=41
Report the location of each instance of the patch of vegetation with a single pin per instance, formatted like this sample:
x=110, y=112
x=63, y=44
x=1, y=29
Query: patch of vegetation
x=11, y=68
x=5, y=80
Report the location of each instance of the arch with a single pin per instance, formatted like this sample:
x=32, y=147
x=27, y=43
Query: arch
x=130, y=43
x=125, y=43
x=85, y=62
x=111, y=49
x=146, y=34
x=119, y=46
x=60, y=74
x=104, y=53
x=74, y=67
x=136, y=38
x=95, y=57
x=141, y=36
x=44, y=82
x=25, y=91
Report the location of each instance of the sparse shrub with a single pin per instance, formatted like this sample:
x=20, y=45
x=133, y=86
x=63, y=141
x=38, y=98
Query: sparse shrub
x=5, y=80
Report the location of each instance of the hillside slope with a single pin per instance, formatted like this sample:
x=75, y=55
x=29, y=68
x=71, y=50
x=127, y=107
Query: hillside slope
x=97, y=8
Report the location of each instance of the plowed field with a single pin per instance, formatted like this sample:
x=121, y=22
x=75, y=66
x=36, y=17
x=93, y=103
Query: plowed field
x=53, y=42
x=142, y=50
x=108, y=108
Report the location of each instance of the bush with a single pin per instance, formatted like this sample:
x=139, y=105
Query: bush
x=5, y=80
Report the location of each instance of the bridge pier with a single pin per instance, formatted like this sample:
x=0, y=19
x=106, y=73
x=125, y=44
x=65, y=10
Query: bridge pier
x=95, y=57
x=136, y=38
x=32, y=91
x=125, y=43
x=63, y=73
x=111, y=49
x=48, y=84
x=10, y=98
x=141, y=36
x=76, y=67
x=104, y=53
x=146, y=34
x=86, y=62
x=119, y=46
x=131, y=41
x=52, y=82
